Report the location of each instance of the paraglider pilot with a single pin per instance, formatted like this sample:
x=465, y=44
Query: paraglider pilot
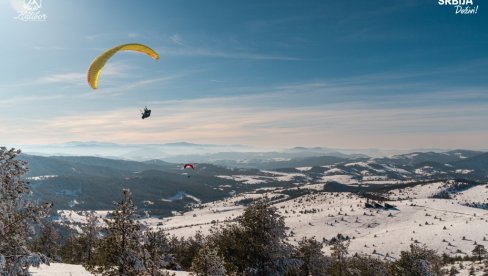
x=146, y=113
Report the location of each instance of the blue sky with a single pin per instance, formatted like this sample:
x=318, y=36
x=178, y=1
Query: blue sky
x=346, y=74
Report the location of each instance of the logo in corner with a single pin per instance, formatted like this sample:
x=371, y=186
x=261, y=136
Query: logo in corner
x=461, y=6
x=31, y=11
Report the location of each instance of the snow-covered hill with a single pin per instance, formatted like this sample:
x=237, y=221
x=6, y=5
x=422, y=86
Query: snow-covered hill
x=400, y=169
x=417, y=214
x=446, y=225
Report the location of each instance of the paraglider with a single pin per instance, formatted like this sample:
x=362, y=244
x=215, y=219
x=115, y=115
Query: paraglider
x=146, y=113
x=189, y=166
x=96, y=66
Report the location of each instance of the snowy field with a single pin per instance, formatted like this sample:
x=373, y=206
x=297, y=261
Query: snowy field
x=202, y=219
x=59, y=269
x=419, y=191
x=442, y=224
x=267, y=177
x=478, y=194
x=446, y=225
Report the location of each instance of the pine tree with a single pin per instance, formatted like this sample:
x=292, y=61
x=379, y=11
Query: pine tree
x=208, y=262
x=156, y=253
x=89, y=237
x=184, y=250
x=339, y=257
x=17, y=212
x=418, y=261
x=256, y=244
x=265, y=231
x=119, y=252
x=453, y=271
x=479, y=251
x=366, y=265
x=48, y=242
x=71, y=249
x=310, y=253
x=80, y=247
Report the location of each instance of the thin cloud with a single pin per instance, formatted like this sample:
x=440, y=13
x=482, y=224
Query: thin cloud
x=93, y=37
x=48, y=48
x=232, y=120
x=110, y=70
x=177, y=39
x=117, y=88
x=330, y=113
x=71, y=78
x=26, y=99
x=203, y=52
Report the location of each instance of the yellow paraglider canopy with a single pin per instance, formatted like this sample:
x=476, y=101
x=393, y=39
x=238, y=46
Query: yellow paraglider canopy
x=97, y=64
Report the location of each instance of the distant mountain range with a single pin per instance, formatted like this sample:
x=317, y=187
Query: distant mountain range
x=209, y=153
x=138, y=152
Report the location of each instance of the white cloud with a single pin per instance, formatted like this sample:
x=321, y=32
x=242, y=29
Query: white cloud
x=70, y=78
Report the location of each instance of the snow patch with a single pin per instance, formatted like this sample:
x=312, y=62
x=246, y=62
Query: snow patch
x=340, y=178
x=41, y=177
x=464, y=171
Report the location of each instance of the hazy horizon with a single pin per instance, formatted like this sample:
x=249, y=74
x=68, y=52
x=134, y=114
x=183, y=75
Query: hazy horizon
x=182, y=148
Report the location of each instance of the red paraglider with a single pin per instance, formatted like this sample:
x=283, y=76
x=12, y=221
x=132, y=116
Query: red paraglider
x=188, y=166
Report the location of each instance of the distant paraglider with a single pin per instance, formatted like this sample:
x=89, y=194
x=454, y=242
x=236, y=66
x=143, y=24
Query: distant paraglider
x=96, y=66
x=191, y=166
x=146, y=113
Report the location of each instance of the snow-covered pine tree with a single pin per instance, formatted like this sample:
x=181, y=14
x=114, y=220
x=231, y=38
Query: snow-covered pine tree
x=418, y=261
x=48, y=241
x=310, y=253
x=208, y=262
x=90, y=233
x=256, y=244
x=185, y=249
x=71, y=250
x=339, y=251
x=17, y=212
x=366, y=265
x=120, y=251
x=156, y=256
x=80, y=247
